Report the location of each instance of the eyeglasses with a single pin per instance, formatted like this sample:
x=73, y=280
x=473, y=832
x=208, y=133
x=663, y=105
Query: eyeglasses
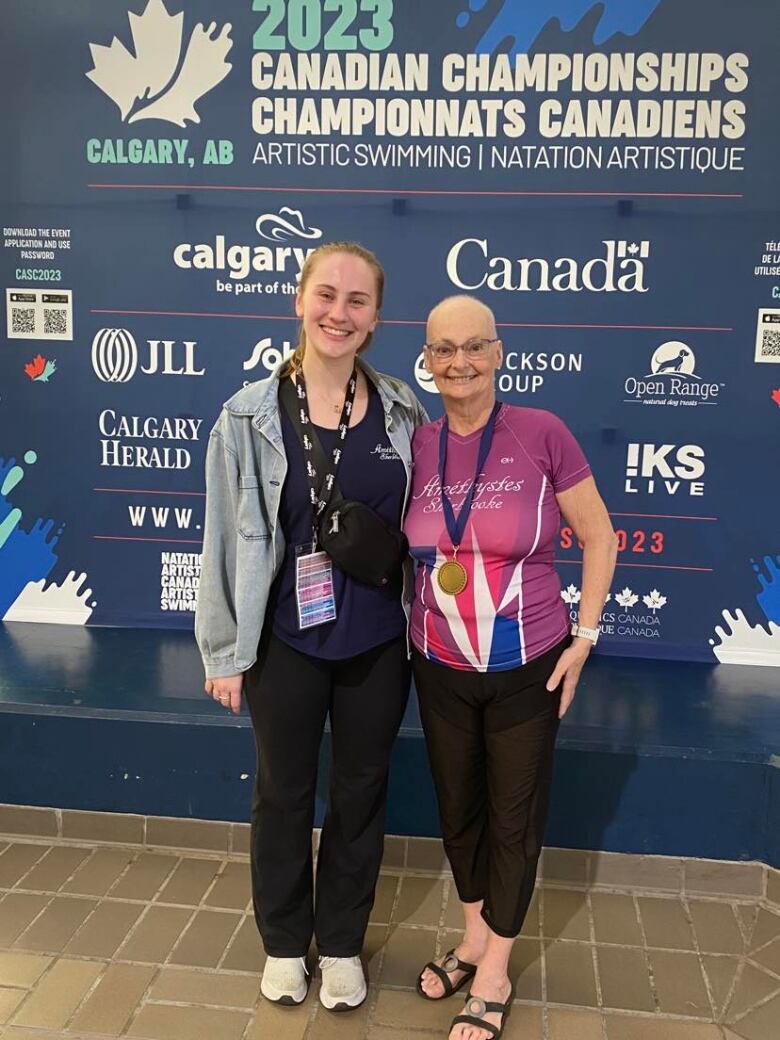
x=474, y=349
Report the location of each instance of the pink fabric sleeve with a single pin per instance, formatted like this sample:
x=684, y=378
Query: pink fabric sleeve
x=568, y=465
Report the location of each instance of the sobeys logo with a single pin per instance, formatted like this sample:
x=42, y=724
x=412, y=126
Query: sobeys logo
x=155, y=75
x=671, y=380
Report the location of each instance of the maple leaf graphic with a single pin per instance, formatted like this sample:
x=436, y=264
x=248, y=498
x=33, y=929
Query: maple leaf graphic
x=627, y=598
x=48, y=372
x=147, y=75
x=571, y=594
x=654, y=601
x=35, y=367
x=776, y=396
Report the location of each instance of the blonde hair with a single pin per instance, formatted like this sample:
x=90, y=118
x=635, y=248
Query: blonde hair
x=329, y=249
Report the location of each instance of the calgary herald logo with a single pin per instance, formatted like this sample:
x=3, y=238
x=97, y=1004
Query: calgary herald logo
x=671, y=380
x=155, y=75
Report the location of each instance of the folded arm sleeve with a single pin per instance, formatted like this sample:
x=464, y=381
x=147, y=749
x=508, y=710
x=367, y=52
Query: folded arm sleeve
x=215, y=617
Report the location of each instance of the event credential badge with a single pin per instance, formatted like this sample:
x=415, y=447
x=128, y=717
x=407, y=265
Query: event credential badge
x=314, y=587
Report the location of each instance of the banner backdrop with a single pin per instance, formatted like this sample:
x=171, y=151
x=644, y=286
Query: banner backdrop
x=603, y=175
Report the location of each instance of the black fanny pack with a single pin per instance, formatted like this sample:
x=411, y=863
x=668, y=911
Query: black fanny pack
x=358, y=540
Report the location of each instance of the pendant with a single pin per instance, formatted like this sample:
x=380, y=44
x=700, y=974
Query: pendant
x=452, y=577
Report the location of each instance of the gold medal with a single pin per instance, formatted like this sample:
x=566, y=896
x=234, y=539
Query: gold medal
x=452, y=577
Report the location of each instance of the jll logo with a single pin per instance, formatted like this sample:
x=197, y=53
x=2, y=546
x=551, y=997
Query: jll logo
x=115, y=357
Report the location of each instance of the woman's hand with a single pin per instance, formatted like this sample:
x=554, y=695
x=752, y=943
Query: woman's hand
x=568, y=670
x=226, y=691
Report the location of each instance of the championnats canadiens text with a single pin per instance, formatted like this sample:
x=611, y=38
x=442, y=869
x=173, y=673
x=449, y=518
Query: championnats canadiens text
x=281, y=75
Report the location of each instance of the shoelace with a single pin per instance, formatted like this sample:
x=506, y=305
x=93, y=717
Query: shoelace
x=331, y=962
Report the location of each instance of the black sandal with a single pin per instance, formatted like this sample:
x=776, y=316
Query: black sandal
x=476, y=1008
x=450, y=963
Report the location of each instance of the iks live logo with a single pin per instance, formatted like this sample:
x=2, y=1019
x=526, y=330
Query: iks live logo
x=666, y=469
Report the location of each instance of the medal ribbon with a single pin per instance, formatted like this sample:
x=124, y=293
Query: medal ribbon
x=456, y=527
x=321, y=486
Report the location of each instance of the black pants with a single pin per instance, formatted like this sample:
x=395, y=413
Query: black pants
x=290, y=695
x=490, y=739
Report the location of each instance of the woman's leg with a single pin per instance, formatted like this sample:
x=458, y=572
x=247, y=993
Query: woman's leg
x=288, y=695
x=521, y=723
x=452, y=721
x=370, y=692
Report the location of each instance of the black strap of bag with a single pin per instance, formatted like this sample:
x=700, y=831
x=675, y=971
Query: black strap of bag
x=358, y=540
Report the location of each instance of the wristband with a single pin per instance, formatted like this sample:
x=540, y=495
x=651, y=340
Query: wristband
x=587, y=633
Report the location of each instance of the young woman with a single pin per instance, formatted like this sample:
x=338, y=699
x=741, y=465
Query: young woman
x=278, y=622
x=495, y=665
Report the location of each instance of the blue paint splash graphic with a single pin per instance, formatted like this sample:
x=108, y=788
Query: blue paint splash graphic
x=769, y=598
x=25, y=556
x=523, y=20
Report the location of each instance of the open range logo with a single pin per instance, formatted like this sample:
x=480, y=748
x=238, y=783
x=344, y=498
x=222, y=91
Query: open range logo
x=672, y=380
x=155, y=74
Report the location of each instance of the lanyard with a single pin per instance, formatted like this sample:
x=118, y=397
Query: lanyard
x=321, y=483
x=455, y=528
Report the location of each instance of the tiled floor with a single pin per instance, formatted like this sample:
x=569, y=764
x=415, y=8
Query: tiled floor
x=131, y=941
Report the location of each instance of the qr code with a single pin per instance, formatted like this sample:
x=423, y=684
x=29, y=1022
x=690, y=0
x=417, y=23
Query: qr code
x=770, y=343
x=768, y=336
x=55, y=322
x=33, y=314
x=23, y=321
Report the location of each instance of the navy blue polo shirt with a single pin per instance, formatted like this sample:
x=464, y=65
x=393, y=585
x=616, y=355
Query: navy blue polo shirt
x=371, y=472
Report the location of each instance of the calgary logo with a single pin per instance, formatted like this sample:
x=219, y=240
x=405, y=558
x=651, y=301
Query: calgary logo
x=40, y=370
x=284, y=225
x=155, y=75
x=115, y=357
x=671, y=380
x=241, y=259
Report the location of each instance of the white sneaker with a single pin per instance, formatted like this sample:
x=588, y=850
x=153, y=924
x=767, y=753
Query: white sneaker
x=285, y=980
x=343, y=983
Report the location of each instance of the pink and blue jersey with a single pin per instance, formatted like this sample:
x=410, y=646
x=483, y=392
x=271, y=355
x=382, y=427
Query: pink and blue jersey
x=511, y=610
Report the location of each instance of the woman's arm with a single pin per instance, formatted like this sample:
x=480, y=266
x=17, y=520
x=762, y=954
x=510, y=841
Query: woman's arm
x=583, y=509
x=215, y=615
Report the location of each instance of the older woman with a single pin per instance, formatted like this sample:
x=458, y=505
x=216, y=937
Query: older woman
x=495, y=664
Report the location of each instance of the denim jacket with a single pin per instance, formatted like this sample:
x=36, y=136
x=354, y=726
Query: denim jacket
x=243, y=543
